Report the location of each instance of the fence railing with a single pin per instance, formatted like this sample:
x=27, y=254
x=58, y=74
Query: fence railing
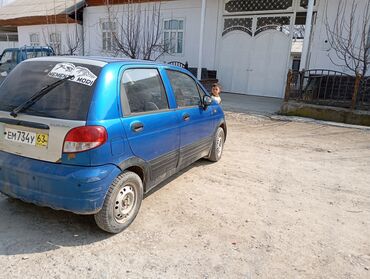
x=327, y=87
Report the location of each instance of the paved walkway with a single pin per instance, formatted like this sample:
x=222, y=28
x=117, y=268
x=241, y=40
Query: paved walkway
x=250, y=104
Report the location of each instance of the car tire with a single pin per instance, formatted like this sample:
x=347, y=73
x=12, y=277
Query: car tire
x=121, y=204
x=217, y=146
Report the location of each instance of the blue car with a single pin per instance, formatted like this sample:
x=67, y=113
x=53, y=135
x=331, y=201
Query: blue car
x=92, y=135
x=11, y=57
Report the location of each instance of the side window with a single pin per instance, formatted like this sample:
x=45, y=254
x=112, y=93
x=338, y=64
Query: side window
x=9, y=57
x=184, y=88
x=144, y=90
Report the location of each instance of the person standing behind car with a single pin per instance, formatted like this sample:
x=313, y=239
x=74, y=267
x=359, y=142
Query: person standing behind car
x=216, y=91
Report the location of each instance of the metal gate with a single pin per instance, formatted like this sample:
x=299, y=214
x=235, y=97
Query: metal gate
x=255, y=44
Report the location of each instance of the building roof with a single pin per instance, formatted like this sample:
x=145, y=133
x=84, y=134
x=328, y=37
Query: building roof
x=27, y=8
x=21, y=12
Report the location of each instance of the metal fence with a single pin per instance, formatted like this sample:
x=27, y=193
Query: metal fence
x=327, y=87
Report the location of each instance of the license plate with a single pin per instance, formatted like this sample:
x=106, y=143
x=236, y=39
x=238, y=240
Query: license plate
x=26, y=137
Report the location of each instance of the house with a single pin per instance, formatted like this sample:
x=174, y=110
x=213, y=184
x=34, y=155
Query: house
x=8, y=38
x=250, y=44
x=8, y=35
x=247, y=42
x=43, y=22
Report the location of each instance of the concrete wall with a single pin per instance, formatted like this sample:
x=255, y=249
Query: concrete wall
x=321, y=52
x=44, y=30
x=189, y=10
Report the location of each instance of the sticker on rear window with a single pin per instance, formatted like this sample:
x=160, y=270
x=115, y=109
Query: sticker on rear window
x=81, y=74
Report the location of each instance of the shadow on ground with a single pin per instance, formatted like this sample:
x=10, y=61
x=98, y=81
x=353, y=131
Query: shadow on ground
x=27, y=229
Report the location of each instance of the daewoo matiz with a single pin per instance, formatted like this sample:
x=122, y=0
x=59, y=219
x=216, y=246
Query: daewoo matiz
x=92, y=135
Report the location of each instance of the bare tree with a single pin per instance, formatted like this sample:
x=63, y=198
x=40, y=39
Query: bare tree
x=137, y=30
x=349, y=36
x=53, y=38
x=74, y=40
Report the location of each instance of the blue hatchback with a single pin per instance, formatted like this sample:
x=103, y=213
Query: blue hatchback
x=92, y=135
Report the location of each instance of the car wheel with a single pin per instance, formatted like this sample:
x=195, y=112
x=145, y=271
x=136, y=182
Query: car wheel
x=122, y=203
x=218, y=145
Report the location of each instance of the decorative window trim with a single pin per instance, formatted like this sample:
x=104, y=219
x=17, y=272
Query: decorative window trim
x=272, y=23
x=253, y=6
x=255, y=25
x=243, y=24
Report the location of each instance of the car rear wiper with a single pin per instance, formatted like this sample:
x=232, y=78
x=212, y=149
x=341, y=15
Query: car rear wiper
x=37, y=96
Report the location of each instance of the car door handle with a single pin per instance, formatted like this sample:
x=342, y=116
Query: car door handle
x=186, y=117
x=137, y=127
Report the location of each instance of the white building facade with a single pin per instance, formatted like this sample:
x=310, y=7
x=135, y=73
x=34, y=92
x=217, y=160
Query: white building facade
x=248, y=42
x=322, y=55
x=64, y=38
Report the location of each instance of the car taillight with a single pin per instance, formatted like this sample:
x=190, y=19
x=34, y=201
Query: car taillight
x=84, y=138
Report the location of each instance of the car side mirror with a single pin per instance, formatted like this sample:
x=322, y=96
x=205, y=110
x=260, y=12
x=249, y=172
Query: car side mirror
x=207, y=101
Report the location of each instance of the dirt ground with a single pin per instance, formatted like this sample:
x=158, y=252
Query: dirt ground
x=287, y=200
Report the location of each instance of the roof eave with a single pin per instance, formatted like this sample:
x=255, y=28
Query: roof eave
x=39, y=20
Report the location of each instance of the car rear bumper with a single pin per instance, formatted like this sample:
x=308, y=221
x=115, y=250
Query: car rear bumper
x=77, y=189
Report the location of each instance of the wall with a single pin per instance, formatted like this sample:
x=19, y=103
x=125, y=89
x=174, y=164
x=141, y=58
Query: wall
x=321, y=52
x=4, y=45
x=44, y=31
x=189, y=10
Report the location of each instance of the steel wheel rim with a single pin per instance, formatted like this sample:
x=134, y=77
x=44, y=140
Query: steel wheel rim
x=125, y=203
x=219, y=144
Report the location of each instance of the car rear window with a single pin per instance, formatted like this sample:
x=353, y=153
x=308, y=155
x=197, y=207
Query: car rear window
x=70, y=100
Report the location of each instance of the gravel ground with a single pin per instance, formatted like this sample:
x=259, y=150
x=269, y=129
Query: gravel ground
x=287, y=200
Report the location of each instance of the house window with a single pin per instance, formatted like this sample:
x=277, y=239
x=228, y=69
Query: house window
x=108, y=35
x=173, y=36
x=55, y=40
x=34, y=39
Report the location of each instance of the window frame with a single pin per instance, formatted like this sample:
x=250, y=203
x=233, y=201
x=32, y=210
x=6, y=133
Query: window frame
x=164, y=30
x=111, y=31
x=53, y=43
x=125, y=105
x=34, y=43
x=173, y=92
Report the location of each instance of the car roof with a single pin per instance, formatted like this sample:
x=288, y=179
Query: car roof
x=97, y=60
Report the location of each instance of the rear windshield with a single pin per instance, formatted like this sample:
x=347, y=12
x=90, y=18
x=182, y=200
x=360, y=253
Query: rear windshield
x=70, y=100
